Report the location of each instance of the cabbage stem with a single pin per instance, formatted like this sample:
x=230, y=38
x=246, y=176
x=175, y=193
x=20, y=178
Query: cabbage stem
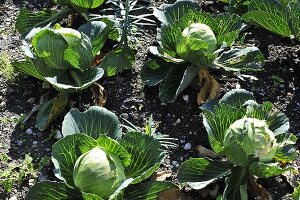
x=210, y=87
x=76, y=78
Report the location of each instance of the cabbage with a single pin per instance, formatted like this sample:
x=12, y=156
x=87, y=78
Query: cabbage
x=247, y=139
x=202, y=32
x=98, y=172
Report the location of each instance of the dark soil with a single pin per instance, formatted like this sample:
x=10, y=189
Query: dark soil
x=127, y=96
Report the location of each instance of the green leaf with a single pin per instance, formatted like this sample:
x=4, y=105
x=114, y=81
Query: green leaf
x=236, y=184
x=94, y=122
x=178, y=78
x=236, y=98
x=294, y=14
x=278, y=122
x=65, y=152
x=296, y=193
x=200, y=172
x=228, y=28
x=267, y=170
x=173, y=12
x=28, y=68
x=240, y=59
x=50, y=46
x=146, y=155
x=286, y=154
x=117, y=60
x=269, y=14
x=50, y=110
x=154, y=71
x=114, y=147
x=216, y=124
x=160, y=52
x=48, y=190
x=89, y=196
x=147, y=191
x=28, y=20
x=97, y=31
x=87, y=4
x=79, y=53
x=120, y=191
x=75, y=81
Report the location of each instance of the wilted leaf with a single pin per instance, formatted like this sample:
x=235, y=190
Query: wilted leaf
x=258, y=191
x=99, y=94
x=204, y=152
x=161, y=175
x=210, y=87
x=51, y=110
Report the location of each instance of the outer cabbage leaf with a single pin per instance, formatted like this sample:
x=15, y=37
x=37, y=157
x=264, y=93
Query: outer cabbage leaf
x=97, y=31
x=267, y=170
x=75, y=81
x=269, y=14
x=177, y=79
x=94, y=122
x=240, y=59
x=200, y=172
x=146, y=155
x=236, y=184
x=147, y=191
x=48, y=190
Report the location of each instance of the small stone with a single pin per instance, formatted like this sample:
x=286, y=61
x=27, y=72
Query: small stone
x=39, y=134
x=186, y=98
x=29, y=131
x=124, y=115
x=31, y=100
x=42, y=177
x=58, y=135
x=13, y=198
x=187, y=146
x=34, y=142
x=47, y=149
x=2, y=104
x=174, y=162
x=178, y=121
x=31, y=182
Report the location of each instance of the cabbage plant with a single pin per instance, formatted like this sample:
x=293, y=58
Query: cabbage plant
x=95, y=160
x=63, y=57
x=253, y=138
x=194, y=42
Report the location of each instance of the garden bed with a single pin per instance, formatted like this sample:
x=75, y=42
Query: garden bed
x=129, y=98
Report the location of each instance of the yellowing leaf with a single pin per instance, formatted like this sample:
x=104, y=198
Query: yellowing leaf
x=210, y=87
x=99, y=94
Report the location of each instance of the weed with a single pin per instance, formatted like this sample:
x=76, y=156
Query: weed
x=6, y=68
x=15, y=173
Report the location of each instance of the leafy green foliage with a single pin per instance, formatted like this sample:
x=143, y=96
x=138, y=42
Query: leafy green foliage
x=237, y=6
x=28, y=21
x=251, y=136
x=278, y=16
x=15, y=173
x=93, y=165
x=63, y=57
x=191, y=39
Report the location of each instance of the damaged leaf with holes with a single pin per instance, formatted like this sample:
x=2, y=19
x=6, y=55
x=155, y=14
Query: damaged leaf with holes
x=193, y=42
x=258, y=132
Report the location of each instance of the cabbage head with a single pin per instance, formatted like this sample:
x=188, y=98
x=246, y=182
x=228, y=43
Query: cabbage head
x=203, y=33
x=248, y=139
x=98, y=172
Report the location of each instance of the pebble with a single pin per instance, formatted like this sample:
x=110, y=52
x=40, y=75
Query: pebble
x=13, y=198
x=29, y=131
x=178, y=121
x=2, y=104
x=186, y=98
x=124, y=115
x=187, y=146
x=31, y=100
x=58, y=135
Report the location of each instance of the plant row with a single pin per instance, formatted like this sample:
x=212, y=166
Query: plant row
x=95, y=159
